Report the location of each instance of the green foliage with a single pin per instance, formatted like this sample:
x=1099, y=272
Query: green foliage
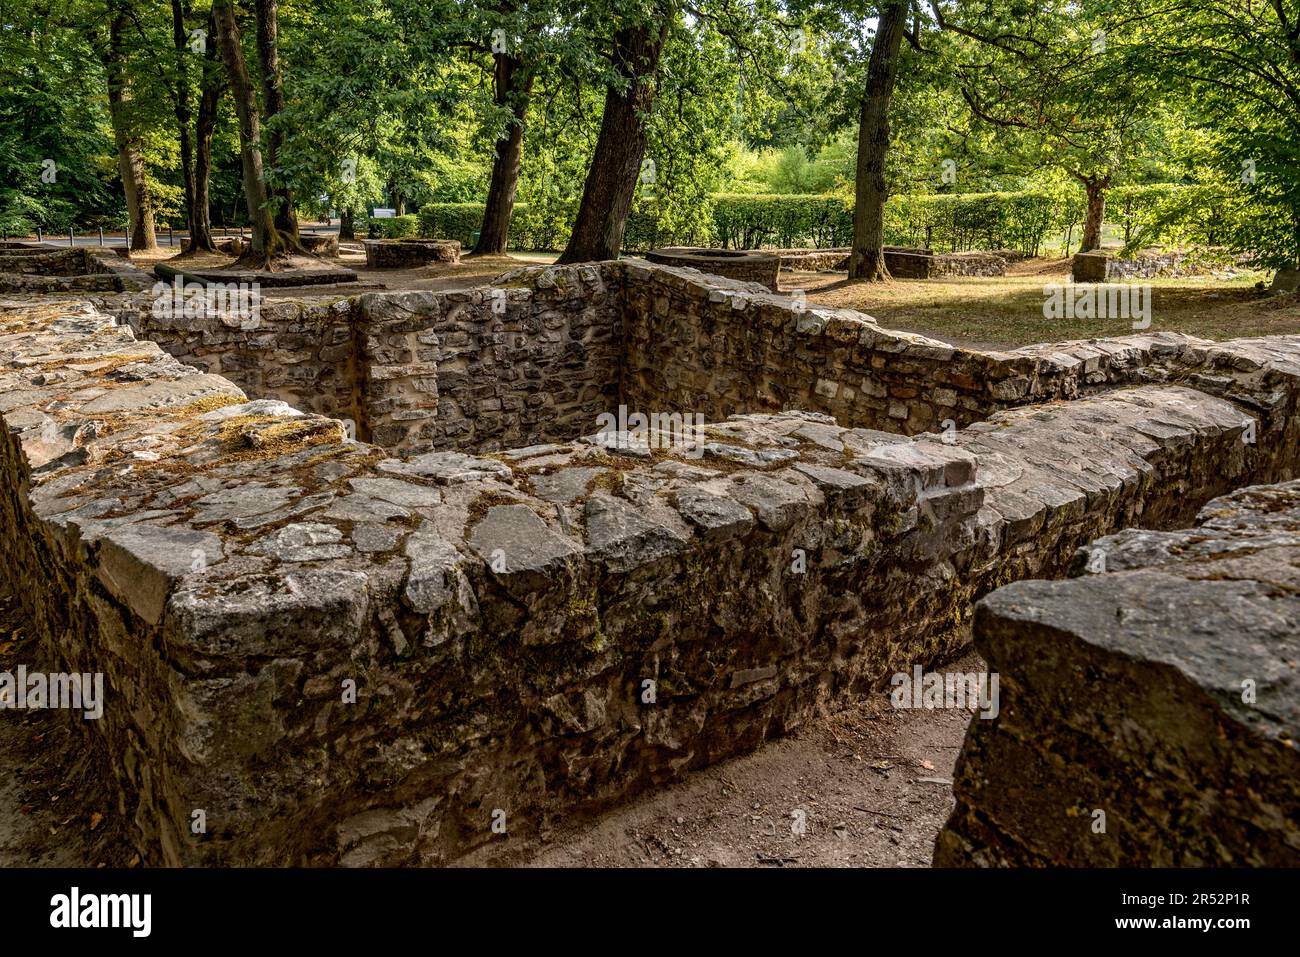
x=747, y=222
x=394, y=227
x=961, y=221
x=458, y=221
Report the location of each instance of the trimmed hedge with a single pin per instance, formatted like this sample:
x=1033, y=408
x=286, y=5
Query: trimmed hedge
x=1023, y=221
x=397, y=227
x=529, y=228
x=749, y=222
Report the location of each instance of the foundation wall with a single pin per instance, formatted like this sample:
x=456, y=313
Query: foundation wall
x=345, y=656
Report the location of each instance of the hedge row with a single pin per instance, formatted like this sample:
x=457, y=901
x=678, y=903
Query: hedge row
x=1023, y=221
x=394, y=227
x=529, y=228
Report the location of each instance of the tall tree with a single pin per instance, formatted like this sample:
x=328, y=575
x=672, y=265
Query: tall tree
x=274, y=222
x=266, y=242
x=867, y=259
x=512, y=85
x=113, y=51
x=194, y=133
x=611, y=181
x=268, y=53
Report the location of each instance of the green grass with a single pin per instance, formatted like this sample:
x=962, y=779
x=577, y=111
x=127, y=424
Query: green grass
x=1008, y=311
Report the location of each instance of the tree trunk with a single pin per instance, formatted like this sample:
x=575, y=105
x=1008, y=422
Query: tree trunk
x=1095, y=187
x=195, y=218
x=867, y=260
x=347, y=227
x=512, y=86
x=204, y=126
x=265, y=241
x=616, y=163
x=268, y=52
x=130, y=164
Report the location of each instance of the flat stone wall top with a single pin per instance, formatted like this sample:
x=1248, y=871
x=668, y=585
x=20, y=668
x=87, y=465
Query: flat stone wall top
x=748, y=265
x=1160, y=689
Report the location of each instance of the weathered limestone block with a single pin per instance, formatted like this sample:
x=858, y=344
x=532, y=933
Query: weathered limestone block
x=410, y=253
x=745, y=265
x=1091, y=266
x=1157, y=695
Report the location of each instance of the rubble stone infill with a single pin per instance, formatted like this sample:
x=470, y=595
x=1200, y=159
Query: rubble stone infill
x=1150, y=709
x=339, y=654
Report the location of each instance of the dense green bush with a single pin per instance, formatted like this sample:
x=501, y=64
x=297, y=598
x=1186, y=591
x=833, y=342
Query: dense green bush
x=1022, y=221
x=398, y=227
x=748, y=222
x=1172, y=214
x=451, y=221
x=530, y=228
x=961, y=221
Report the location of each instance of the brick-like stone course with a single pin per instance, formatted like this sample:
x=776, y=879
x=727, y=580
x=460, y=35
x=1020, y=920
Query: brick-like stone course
x=232, y=565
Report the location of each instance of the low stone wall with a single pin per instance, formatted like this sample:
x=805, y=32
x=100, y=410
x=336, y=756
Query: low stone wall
x=1148, y=712
x=300, y=351
x=321, y=245
x=475, y=370
x=902, y=263
x=44, y=270
x=744, y=265
x=340, y=655
x=410, y=253
x=724, y=348
x=422, y=371
x=1098, y=266
x=970, y=264
x=491, y=368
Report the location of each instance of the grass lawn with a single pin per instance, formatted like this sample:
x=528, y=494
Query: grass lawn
x=1007, y=311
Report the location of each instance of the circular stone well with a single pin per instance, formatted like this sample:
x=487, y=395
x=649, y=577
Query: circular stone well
x=748, y=265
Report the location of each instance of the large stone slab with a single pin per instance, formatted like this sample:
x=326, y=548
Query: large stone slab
x=1150, y=708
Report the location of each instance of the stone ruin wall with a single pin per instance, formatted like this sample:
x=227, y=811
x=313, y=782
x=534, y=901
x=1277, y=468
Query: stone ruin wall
x=46, y=270
x=1182, y=739
x=518, y=685
x=421, y=371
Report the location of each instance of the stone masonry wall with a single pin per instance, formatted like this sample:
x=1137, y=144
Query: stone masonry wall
x=420, y=371
x=300, y=351
x=234, y=567
x=473, y=370
x=491, y=368
x=45, y=270
x=1157, y=697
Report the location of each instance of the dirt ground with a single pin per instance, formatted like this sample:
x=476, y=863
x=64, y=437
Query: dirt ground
x=873, y=785
x=869, y=786
x=54, y=809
